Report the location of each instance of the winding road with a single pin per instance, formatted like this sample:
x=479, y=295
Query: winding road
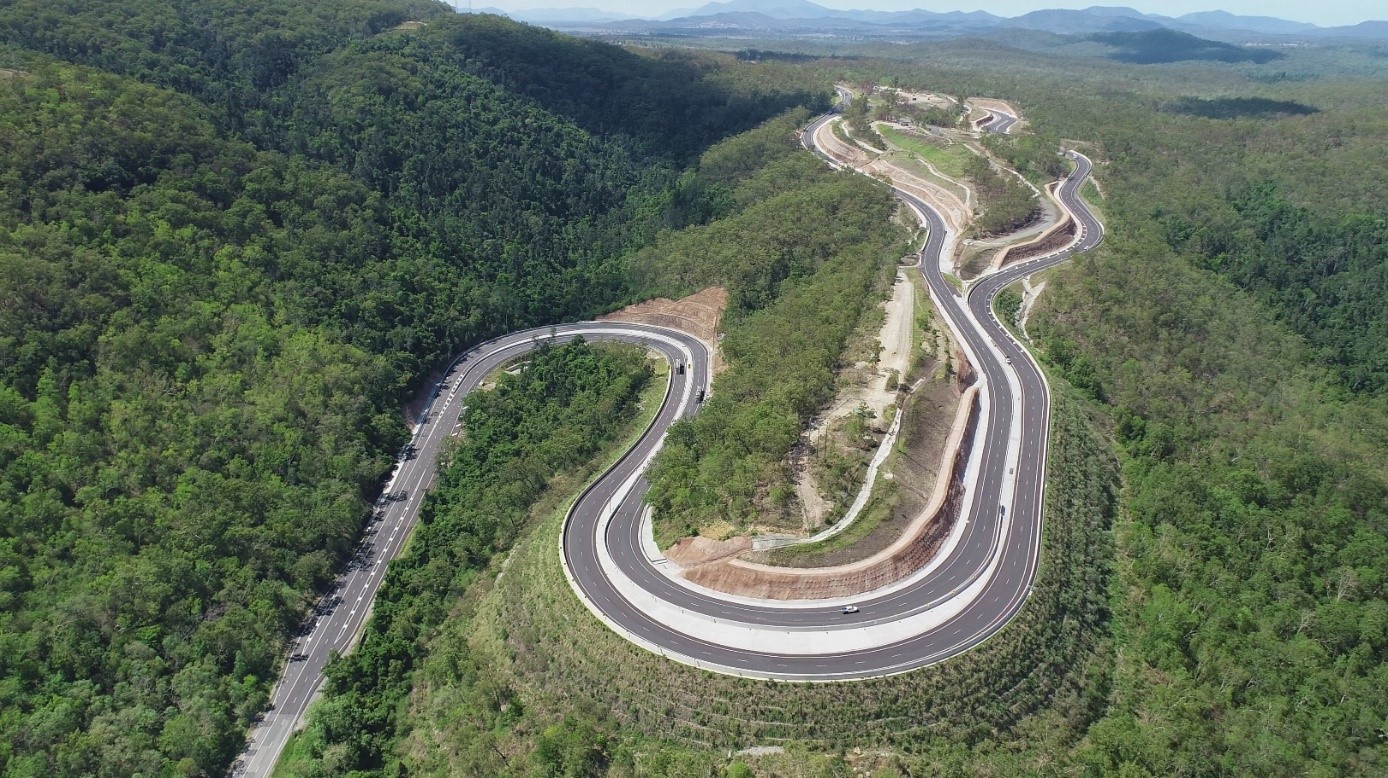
x=999, y=123
x=980, y=585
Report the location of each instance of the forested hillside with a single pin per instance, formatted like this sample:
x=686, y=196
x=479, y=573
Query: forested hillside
x=799, y=244
x=236, y=235
x=233, y=237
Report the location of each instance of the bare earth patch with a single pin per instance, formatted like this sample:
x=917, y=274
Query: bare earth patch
x=698, y=315
x=846, y=153
x=910, y=478
x=925, y=98
x=699, y=550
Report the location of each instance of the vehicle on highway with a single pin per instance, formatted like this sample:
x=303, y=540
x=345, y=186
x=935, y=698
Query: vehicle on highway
x=850, y=609
x=298, y=657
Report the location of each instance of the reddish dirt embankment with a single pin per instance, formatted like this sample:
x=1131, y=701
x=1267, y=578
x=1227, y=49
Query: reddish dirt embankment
x=698, y=314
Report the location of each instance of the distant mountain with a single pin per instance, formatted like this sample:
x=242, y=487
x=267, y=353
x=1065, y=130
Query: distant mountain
x=1089, y=20
x=1223, y=20
x=1164, y=45
x=567, y=16
x=1376, y=30
x=776, y=9
x=766, y=18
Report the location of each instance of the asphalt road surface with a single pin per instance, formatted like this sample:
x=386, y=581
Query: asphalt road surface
x=344, y=610
x=1000, y=123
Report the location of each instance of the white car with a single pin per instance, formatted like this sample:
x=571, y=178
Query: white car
x=850, y=609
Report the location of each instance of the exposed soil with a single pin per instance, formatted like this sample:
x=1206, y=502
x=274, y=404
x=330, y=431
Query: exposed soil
x=843, y=152
x=699, y=550
x=1029, y=295
x=862, y=385
x=698, y=315
x=955, y=213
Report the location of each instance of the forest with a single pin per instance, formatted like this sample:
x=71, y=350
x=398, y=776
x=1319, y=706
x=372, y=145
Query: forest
x=235, y=237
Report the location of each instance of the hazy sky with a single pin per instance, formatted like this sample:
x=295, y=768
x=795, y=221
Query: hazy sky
x=1326, y=13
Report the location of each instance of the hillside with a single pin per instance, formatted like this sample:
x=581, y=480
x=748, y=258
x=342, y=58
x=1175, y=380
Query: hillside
x=235, y=237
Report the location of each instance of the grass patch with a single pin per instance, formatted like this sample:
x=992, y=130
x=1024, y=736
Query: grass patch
x=1090, y=192
x=1007, y=303
x=905, y=160
x=952, y=160
x=296, y=759
x=841, y=133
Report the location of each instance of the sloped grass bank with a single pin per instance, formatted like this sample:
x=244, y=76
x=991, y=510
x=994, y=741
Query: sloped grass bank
x=532, y=676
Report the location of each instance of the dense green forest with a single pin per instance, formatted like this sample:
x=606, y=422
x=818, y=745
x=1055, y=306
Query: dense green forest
x=234, y=237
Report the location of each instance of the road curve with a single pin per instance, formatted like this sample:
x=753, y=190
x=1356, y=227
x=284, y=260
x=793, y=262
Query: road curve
x=1003, y=545
x=997, y=551
x=999, y=122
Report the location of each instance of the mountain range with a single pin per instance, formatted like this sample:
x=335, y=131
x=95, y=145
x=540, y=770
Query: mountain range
x=804, y=17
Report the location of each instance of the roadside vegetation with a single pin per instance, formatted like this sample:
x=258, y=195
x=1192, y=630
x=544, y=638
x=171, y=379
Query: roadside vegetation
x=859, y=115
